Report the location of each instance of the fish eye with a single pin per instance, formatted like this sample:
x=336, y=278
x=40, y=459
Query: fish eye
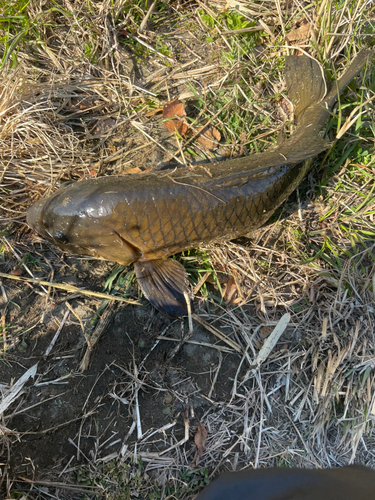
x=61, y=237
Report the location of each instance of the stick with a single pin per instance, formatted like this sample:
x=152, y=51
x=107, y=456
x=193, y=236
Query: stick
x=56, y=336
x=216, y=332
x=268, y=345
x=69, y=288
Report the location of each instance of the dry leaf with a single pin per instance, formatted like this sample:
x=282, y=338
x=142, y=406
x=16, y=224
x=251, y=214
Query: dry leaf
x=134, y=170
x=154, y=112
x=171, y=110
x=102, y=127
x=299, y=33
x=209, y=137
x=231, y=292
x=265, y=331
x=16, y=272
x=83, y=103
x=200, y=442
x=33, y=140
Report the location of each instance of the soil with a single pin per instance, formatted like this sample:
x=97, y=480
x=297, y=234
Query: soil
x=65, y=415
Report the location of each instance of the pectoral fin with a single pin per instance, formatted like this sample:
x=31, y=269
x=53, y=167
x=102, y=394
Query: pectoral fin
x=163, y=282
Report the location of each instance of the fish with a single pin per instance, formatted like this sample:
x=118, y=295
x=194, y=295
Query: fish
x=145, y=218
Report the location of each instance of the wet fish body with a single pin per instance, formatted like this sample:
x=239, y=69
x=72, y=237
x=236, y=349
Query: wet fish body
x=145, y=218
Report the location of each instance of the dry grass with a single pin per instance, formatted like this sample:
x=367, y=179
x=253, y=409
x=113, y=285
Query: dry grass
x=81, y=90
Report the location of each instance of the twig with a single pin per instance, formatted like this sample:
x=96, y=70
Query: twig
x=56, y=336
x=147, y=16
x=196, y=342
x=216, y=375
x=262, y=394
x=95, y=336
x=268, y=345
x=216, y=332
x=137, y=413
x=63, y=486
x=70, y=288
x=186, y=437
x=190, y=321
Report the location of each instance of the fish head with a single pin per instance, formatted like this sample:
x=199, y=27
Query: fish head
x=78, y=220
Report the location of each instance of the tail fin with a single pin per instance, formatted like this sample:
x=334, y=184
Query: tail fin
x=305, y=82
x=307, y=91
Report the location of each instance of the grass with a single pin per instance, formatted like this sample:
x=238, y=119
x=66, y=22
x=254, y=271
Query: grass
x=131, y=481
x=78, y=91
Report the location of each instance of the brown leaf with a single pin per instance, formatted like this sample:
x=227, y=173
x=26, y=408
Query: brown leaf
x=102, y=127
x=171, y=110
x=83, y=102
x=209, y=137
x=154, y=112
x=200, y=441
x=16, y=272
x=265, y=331
x=134, y=170
x=231, y=292
x=299, y=33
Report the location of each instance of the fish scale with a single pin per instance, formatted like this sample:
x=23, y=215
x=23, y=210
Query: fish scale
x=145, y=218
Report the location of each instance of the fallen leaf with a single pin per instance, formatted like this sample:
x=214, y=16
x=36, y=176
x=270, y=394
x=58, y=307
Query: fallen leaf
x=154, y=112
x=174, y=108
x=209, y=137
x=102, y=127
x=230, y=293
x=83, y=102
x=134, y=170
x=299, y=33
x=265, y=331
x=286, y=107
x=171, y=110
x=16, y=272
x=200, y=442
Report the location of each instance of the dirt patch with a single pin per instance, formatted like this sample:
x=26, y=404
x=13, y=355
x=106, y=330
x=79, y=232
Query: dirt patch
x=66, y=416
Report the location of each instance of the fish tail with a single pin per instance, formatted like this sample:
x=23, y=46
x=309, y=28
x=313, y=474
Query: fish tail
x=307, y=86
x=307, y=90
x=305, y=82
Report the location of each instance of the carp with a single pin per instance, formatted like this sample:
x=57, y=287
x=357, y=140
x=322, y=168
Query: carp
x=147, y=217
